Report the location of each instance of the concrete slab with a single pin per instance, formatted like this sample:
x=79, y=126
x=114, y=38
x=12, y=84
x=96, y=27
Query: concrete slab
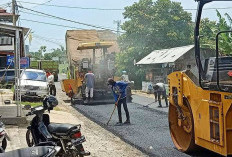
x=9, y=115
x=5, y=94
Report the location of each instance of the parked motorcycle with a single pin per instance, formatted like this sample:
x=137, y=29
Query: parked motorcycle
x=67, y=136
x=3, y=137
x=40, y=151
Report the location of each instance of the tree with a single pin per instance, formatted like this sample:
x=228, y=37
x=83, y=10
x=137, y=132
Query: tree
x=209, y=30
x=39, y=54
x=151, y=26
x=59, y=52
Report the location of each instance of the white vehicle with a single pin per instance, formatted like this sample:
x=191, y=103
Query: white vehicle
x=33, y=83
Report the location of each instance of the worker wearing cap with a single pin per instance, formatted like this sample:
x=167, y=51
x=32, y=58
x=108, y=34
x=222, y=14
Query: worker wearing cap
x=119, y=91
x=159, y=89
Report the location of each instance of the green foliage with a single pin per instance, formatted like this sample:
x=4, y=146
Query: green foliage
x=150, y=26
x=59, y=52
x=39, y=54
x=209, y=30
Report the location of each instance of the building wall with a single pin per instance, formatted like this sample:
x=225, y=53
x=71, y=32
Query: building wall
x=160, y=72
x=76, y=37
x=189, y=59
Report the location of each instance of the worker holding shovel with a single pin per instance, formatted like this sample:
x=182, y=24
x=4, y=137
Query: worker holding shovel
x=119, y=91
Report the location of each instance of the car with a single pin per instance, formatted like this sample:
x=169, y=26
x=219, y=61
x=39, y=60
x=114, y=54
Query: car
x=7, y=75
x=33, y=83
x=7, y=78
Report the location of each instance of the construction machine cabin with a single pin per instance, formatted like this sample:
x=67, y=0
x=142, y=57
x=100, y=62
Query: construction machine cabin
x=200, y=104
x=95, y=50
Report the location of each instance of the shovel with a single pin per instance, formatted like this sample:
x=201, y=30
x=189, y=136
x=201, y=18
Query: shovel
x=114, y=109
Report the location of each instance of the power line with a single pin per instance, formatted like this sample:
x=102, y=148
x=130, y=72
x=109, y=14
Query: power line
x=48, y=40
x=112, y=9
x=29, y=13
x=64, y=19
x=50, y=24
x=72, y=7
x=36, y=14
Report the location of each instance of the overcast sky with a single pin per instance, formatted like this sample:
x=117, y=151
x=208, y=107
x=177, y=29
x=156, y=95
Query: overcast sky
x=53, y=36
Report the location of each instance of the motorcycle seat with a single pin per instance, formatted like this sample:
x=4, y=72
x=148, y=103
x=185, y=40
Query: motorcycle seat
x=57, y=128
x=31, y=151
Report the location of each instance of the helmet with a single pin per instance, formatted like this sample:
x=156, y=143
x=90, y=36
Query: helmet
x=49, y=102
x=110, y=81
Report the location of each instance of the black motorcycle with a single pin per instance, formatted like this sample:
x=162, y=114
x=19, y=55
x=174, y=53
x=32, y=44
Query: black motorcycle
x=67, y=136
x=40, y=151
x=3, y=137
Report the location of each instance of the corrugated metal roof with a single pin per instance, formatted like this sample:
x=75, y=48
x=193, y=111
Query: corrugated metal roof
x=165, y=55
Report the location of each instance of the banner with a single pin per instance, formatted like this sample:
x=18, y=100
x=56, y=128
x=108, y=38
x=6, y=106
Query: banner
x=24, y=61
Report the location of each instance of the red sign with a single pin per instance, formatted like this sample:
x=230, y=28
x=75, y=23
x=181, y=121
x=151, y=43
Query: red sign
x=230, y=73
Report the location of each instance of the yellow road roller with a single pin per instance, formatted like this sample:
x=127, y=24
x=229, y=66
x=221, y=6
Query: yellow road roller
x=200, y=112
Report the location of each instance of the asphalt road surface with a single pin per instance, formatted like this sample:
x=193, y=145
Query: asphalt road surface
x=148, y=131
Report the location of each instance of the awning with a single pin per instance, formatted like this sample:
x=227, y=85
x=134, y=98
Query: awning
x=165, y=55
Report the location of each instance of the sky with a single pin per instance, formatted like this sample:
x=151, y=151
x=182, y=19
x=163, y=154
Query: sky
x=53, y=36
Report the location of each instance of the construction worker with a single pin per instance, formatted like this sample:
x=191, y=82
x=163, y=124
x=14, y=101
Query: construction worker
x=119, y=91
x=52, y=87
x=89, y=80
x=124, y=77
x=159, y=89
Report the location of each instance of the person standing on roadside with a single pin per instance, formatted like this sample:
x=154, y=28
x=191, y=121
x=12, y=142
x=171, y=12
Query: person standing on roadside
x=89, y=80
x=119, y=91
x=159, y=89
x=52, y=87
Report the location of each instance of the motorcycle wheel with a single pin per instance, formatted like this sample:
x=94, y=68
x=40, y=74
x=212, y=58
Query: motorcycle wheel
x=4, y=144
x=29, y=138
x=2, y=150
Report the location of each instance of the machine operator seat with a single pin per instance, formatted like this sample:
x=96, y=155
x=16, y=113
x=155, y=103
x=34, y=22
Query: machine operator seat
x=57, y=128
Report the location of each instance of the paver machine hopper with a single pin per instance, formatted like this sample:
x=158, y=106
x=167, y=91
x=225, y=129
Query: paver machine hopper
x=200, y=111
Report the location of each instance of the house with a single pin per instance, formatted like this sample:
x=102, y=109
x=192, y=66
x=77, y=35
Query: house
x=7, y=42
x=160, y=63
x=6, y=17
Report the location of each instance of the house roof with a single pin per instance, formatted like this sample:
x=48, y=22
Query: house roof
x=165, y=55
x=6, y=17
x=9, y=29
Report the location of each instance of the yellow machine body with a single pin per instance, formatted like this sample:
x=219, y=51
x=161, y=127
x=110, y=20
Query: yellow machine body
x=73, y=86
x=199, y=117
x=95, y=45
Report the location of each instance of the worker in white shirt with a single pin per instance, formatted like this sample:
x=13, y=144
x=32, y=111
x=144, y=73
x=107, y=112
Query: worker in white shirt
x=52, y=87
x=159, y=89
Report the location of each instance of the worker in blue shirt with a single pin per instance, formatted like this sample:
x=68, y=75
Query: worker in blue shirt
x=119, y=91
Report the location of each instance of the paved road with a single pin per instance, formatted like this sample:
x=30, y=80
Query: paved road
x=148, y=130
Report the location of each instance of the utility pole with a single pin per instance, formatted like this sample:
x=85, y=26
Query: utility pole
x=13, y=12
x=118, y=22
x=17, y=56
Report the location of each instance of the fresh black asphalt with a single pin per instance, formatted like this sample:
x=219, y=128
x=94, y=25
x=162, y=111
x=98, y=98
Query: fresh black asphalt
x=148, y=131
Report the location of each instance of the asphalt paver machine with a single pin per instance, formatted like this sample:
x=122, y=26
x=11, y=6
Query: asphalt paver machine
x=102, y=68
x=200, y=112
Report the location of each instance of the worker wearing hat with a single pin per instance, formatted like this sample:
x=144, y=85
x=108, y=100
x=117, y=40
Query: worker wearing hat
x=119, y=91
